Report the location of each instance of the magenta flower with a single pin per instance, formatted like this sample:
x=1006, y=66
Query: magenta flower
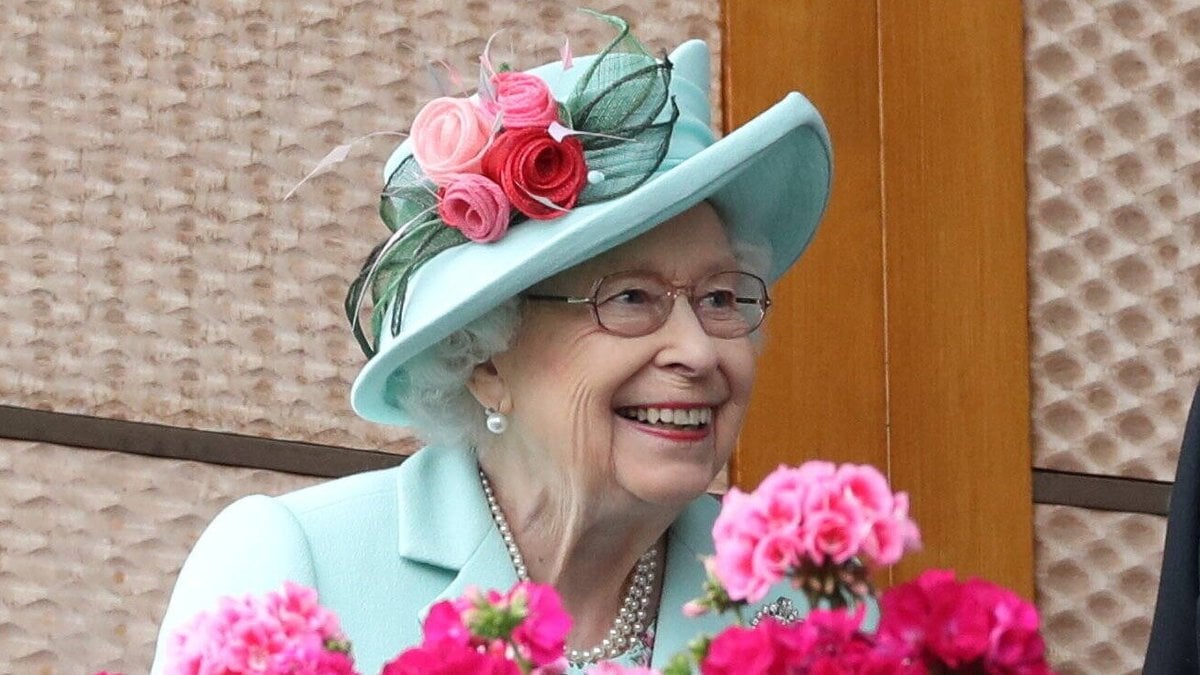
x=521, y=631
x=542, y=636
x=444, y=623
x=739, y=650
x=975, y=624
x=449, y=658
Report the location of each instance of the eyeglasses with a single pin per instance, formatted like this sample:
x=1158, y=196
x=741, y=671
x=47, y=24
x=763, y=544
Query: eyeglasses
x=633, y=304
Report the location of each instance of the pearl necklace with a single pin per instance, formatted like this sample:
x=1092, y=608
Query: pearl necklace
x=630, y=622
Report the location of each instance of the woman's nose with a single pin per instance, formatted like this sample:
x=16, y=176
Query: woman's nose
x=688, y=346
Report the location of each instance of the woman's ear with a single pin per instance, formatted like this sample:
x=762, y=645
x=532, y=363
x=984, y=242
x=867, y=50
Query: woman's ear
x=489, y=388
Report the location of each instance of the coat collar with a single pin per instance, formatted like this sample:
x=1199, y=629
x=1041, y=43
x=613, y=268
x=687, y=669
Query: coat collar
x=453, y=530
x=443, y=515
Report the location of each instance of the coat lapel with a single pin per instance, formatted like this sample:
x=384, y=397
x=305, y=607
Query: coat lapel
x=689, y=540
x=453, y=529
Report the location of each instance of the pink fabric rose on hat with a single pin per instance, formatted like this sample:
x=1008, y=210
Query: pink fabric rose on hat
x=448, y=137
x=474, y=205
x=521, y=100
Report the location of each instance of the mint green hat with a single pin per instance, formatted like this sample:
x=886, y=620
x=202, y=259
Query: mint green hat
x=769, y=180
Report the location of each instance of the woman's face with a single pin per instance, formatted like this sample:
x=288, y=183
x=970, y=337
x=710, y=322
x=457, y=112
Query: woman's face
x=573, y=391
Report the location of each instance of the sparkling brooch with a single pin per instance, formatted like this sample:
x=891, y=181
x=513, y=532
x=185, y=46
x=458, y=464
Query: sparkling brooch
x=782, y=610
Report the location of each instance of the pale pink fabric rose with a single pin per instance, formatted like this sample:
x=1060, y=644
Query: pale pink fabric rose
x=521, y=100
x=448, y=137
x=474, y=205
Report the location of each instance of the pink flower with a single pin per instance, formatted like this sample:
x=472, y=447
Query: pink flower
x=864, y=485
x=285, y=631
x=832, y=535
x=784, y=491
x=892, y=535
x=474, y=205
x=737, y=510
x=521, y=100
x=816, y=471
x=541, y=637
x=449, y=136
x=774, y=555
x=299, y=611
x=734, y=567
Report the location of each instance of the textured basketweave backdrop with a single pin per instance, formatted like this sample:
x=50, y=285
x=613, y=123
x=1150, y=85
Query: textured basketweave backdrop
x=151, y=271
x=1113, y=113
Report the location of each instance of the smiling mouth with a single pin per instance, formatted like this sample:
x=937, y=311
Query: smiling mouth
x=690, y=419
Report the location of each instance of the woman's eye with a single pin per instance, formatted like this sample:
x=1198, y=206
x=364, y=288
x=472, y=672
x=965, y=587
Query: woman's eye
x=720, y=299
x=631, y=296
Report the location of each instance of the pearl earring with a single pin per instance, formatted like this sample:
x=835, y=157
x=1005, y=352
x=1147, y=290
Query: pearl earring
x=496, y=421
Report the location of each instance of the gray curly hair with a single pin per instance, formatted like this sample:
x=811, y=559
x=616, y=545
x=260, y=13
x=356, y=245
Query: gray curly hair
x=432, y=387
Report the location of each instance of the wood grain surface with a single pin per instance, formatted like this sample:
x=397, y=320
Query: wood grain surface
x=901, y=338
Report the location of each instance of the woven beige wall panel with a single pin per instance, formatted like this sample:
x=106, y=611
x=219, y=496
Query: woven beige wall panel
x=1113, y=105
x=90, y=543
x=150, y=269
x=1097, y=577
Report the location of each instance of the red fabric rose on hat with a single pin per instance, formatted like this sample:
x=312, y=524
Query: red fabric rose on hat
x=541, y=177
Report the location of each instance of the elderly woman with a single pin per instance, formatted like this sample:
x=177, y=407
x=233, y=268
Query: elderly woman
x=568, y=308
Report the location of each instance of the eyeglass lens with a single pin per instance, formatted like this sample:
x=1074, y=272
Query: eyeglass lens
x=727, y=304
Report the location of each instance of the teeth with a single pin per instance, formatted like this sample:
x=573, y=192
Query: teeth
x=676, y=416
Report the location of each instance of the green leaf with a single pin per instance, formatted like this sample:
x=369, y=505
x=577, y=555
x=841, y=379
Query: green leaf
x=623, y=43
x=387, y=271
x=629, y=96
x=439, y=240
x=628, y=164
x=679, y=664
x=407, y=195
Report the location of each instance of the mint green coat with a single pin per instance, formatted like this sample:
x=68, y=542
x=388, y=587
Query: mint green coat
x=381, y=547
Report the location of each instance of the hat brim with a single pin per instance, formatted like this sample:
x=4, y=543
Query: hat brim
x=769, y=180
